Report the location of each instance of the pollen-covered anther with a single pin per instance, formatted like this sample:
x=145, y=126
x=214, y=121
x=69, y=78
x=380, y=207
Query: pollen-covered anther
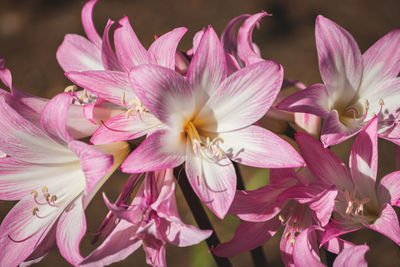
x=35, y=211
x=282, y=219
x=70, y=88
x=287, y=234
x=138, y=106
x=381, y=102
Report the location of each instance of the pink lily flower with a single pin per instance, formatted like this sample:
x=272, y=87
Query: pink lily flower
x=150, y=221
x=358, y=203
x=113, y=86
x=207, y=121
x=356, y=87
x=54, y=177
x=293, y=200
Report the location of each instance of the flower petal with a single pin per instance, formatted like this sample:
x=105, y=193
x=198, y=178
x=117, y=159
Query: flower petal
x=389, y=189
x=242, y=99
x=165, y=93
x=70, y=230
x=113, y=86
x=116, y=247
x=76, y=53
x=108, y=56
x=183, y=235
x=151, y=155
x=338, y=227
x=23, y=141
x=248, y=236
x=314, y=100
x=163, y=50
x=130, y=51
x=333, y=131
x=353, y=256
x=340, y=61
x=213, y=182
x=54, y=118
x=88, y=25
x=323, y=163
x=381, y=62
x=245, y=45
x=121, y=128
x=305, y=250
x=258, y=147
x=387, y=223
x=363, y=161
x=208, y=66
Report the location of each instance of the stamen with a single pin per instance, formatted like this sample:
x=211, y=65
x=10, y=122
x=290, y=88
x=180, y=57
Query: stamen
x=282, y=219
x=287, y=234
x=381, y=102
x=123, y=98
x=70, y=89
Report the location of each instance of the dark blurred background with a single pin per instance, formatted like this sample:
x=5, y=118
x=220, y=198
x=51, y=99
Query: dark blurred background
x=31, y=31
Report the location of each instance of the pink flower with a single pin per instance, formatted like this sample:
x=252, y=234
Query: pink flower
x=356, y=87
x=54, y=177
x=293, y=200
x=207, y=121
x=358, y=203
x=150, y=221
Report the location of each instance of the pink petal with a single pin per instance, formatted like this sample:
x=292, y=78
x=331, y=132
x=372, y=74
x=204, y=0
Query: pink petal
x=248, y=235
x=323, y=163
x=353, y=256
x=337, y=228
x=245, y=46
x=113, y=86
x=387, y=223
x=70, y=230
x=364, y=160
x=389, y=189
x=182, y=235
x=334, y=132
x=258, y=147
x=116, y=247
x=76, y=53
x=258, y=205
x=213, y=182
x=121, y=128
x=339, y=57
x=381, y=61
x=314, y=100
x=21, y=232
x=23, y=141
x=208, y=67
x=163, y=50
x=42, y=249
x=243, y=98
x=336, y=245
x=151, y=156
x=228, y=37
x=305, y=250
x=95, y=164
x=87, y=23
x=164, y=93
x=130, y=51
x=108, y=56
x=54, y=118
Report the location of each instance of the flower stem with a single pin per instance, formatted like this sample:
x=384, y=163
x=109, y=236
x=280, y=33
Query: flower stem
x=257, y=254
x=199, y=215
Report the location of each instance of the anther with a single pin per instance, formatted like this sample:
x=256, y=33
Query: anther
x=35, y=193
x=70, y=88
x=381, y=102
x=34, y=211
x=45, y=189
x=287, y=234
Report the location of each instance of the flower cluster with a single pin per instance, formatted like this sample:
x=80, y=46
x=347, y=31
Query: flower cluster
x=160, y=111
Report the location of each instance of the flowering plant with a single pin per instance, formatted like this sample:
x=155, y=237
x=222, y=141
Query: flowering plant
x=192, y=120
